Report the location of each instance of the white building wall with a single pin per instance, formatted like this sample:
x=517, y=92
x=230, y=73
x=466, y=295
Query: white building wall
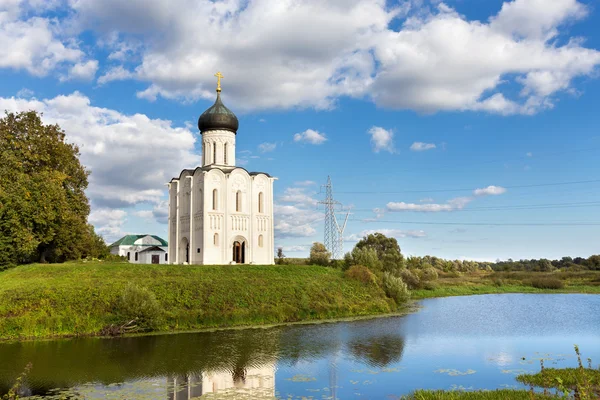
x=215, y=219
x=143, y=257
x=220, y=140
x=172, y=222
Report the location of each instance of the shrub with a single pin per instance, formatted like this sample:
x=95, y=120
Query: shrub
x=410, y=278
x=430, y=285
x=428, y=274
x=139, y=304
x=395, y=288
x=367, y=257
x=387, y=249
x=497, y=282
x=361, y=274
x=547, y=283
x=338, y=264
x=319, y=254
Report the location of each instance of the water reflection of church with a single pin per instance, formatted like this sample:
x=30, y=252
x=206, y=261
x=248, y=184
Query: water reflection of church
x=251, y=383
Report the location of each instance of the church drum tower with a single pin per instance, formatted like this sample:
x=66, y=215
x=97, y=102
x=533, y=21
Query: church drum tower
x=220, y=213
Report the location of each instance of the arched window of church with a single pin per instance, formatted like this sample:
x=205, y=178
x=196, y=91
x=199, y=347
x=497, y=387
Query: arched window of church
x=136, y=256
x=204, y=154
x=166, y=257
x=128, y=256
x=238, y=201
x=261, y=201
x=216, y=239
x=214, y=153
x=260, y=240
x=225, y=154
x=215, y=199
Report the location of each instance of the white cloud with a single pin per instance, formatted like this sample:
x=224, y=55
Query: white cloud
x=32, y=43
x=490, y=191
x=295, y=249
x=186, y=41
x=296, y=213
x=117, y=73
x=310, y=136
x=414, y=64
x=401, y=57
x=108, y=223
x=536, y=19
x=420, y=146
x=25, y=93
x=298, y=196
x=160, y=212
x=83, y=71
x=382, y=139
x=436, y=71
x=295, y=221
x=145, y=214
x=120, y=150
x=457, y=203
x=267, y=147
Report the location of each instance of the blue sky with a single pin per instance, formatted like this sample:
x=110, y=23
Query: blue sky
x=465, y=129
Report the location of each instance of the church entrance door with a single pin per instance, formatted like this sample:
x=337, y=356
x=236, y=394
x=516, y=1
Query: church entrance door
x=239, y=250
x=155, y=259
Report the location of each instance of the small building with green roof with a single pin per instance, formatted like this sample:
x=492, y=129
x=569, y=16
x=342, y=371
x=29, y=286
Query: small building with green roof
x=142, y=249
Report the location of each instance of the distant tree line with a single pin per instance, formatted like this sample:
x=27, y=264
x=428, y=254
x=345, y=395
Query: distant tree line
x=591, y=263
x=43, y=205
x=382, y=254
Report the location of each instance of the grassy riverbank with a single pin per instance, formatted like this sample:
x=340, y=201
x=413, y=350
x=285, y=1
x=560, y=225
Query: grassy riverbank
x=41, y=301
x=54, y=300
x=510, y=282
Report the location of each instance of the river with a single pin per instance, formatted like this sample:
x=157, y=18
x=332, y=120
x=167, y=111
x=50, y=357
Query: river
x=471, y=342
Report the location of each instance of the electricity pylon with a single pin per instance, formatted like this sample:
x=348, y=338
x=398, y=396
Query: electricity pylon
x=334, y=233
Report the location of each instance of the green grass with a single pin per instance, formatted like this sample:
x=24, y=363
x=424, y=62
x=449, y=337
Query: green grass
x=42, y=301
x=570, y=377
x=505, y=394
x=510, y=282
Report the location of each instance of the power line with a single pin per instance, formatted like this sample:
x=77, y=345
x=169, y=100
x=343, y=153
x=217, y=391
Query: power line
x=502, y=208
x=471, y=189
x=485, y=223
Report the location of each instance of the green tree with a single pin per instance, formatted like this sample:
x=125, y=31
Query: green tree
x=365, y=256
x=319, y=254
x=280, y=256
x=43, y=206
x=388, y=251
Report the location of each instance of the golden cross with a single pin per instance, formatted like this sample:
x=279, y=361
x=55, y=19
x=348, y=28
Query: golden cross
x=219, y=76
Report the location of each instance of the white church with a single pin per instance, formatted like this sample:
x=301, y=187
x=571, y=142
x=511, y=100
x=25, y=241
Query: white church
x=220, y=213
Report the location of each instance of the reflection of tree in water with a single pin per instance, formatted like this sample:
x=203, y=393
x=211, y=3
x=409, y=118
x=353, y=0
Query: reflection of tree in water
x=239, y=375
x=378, y=351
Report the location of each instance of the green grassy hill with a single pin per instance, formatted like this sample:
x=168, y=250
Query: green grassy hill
x=39, y=301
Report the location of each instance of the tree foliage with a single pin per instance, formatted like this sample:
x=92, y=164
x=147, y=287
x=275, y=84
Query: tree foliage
x=43, y=206
x=319, y=254
x=387, y=250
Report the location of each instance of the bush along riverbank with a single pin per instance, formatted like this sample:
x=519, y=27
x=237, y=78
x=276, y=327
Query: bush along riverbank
x=73, y=299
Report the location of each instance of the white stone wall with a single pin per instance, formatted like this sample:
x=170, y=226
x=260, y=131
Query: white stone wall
x=218, y=143
x=143, y=257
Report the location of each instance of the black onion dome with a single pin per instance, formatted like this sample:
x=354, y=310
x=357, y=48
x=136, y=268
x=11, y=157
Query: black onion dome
x=218, y=117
